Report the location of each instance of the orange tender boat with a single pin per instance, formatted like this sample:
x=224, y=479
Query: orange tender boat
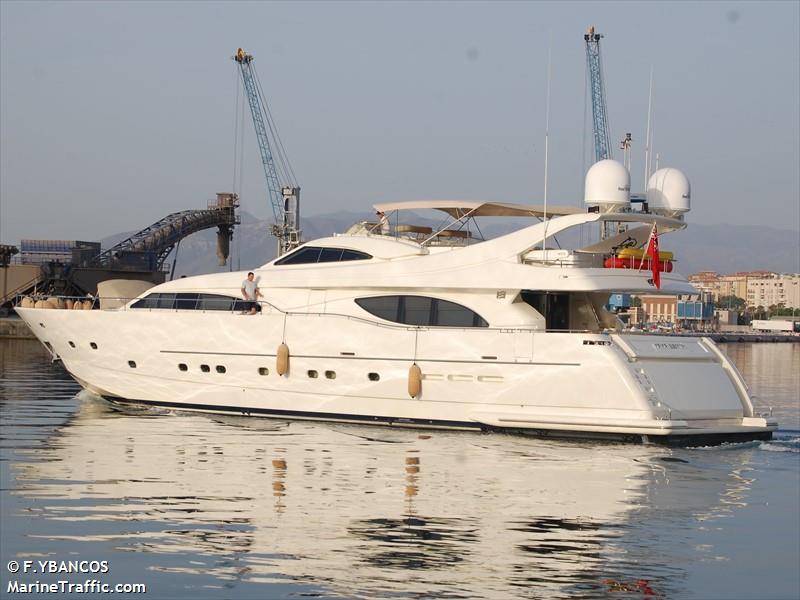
x=634, y=258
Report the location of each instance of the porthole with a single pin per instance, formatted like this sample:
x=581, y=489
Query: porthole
x=93, y=345
x=330, y=374
x=132, y=364
x=221, y=369
x=71, y=344
x=205, y=368
x=183, y=367
x=373, y=377
x=312, y=374
x=263, y=371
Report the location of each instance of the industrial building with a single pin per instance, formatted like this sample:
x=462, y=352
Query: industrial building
x=74, y=268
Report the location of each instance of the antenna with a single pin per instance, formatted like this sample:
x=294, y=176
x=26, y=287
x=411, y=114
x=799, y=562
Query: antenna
x=547, y=140
x=648, y=141
x=625, y=146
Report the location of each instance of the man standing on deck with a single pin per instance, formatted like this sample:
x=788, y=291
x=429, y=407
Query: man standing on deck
x=383, y=222
x=250, y=292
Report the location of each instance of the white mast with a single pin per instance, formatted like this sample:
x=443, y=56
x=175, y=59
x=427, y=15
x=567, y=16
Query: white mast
x=547, y=142
x=648, y=141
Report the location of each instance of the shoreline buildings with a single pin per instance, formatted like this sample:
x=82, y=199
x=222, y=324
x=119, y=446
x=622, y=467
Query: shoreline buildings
x=757, y=290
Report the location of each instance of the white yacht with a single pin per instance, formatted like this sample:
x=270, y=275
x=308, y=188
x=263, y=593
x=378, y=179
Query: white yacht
x=430, y=327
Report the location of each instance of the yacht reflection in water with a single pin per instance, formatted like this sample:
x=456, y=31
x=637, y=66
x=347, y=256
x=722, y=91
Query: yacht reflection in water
x=370, y=512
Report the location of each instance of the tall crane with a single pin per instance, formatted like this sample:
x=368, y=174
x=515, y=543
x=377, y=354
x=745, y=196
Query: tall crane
x=602, y=135
x=285, y=199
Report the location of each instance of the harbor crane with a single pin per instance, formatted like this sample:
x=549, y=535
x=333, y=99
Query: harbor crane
x=602, y=135
x=285, y=198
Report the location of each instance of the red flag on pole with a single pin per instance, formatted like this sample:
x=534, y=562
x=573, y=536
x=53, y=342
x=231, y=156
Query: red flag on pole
x=652, y=252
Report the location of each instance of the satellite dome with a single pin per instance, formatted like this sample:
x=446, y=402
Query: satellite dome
x=608, y=184
x=669, y=193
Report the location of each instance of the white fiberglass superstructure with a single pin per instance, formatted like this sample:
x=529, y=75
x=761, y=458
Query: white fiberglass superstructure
x=421, y=327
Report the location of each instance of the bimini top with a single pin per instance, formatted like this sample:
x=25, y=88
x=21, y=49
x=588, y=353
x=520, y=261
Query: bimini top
x=459, y=209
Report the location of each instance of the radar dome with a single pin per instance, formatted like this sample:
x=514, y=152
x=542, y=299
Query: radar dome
x=669, y=193
x=608, y=184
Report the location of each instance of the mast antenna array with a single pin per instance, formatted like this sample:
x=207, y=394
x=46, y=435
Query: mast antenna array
x=285, y=198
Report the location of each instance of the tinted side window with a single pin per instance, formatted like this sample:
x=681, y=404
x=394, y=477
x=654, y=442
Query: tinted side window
x=313, y=254
x=214, y=302
x=309, y=254
x=450, y=314
x=421, y=311
x=354, y=255
x=149, y=301
x=186, y=301
x=189, y=301
x=330, y=255
x=384, y=307
x=416, y=310
x=166, y=301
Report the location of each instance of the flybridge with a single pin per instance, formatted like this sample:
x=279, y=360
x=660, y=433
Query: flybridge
x=460, y=209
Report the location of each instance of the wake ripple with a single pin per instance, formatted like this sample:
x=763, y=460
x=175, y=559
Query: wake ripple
x=784, y=441
x=781, y=444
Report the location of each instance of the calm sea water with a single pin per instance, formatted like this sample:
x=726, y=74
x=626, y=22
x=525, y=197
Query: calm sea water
x=203, y=506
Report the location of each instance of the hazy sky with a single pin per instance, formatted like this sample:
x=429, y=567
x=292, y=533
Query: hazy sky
x=114, y=114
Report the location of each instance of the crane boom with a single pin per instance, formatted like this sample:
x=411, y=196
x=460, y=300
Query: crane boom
x=285, y=200
x=602, y=135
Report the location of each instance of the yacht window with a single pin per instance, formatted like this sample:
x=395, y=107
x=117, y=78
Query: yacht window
x=221, y=369
x=150, y=301
x=205, y=368
x=214, y=302
x=373, y=377
x=421, y=311
x=315, y=254
x=166, y=301
x=450, y=314
x=183, y=367
x=189, y=301
x=354, y=255
x=383, y=307
x=330, y=255
x=416, y=310
x=186, y=301
x=132, y=364
x=309, y=254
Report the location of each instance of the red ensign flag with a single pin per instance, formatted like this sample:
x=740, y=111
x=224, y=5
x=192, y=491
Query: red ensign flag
x=652, y=252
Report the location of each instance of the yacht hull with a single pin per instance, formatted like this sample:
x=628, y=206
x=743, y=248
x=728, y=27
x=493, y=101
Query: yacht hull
x=342, y=368
x=688, y=439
